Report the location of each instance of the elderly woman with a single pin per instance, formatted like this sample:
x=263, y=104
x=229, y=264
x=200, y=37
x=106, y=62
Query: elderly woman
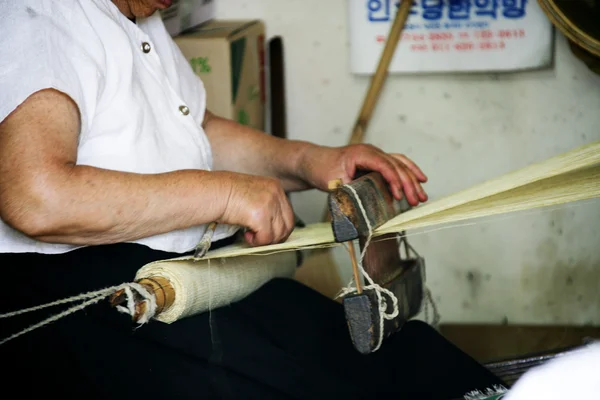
x=109, y=160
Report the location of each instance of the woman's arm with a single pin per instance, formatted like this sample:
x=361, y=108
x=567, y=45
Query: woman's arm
x=45, y=195
x=240, y=148
x=301, y=165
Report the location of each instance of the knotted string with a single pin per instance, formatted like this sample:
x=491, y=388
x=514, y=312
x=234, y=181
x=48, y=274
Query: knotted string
x=382, y=303
x=129, y=289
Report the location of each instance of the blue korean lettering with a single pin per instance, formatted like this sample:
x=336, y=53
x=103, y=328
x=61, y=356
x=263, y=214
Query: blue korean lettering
x=412, y=8
x=486, y=8
x=378, y=10
x=459, y=9
x=381, y=10
x=514, y=8
x=432, y=9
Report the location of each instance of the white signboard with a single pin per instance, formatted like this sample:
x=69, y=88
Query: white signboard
x=451, y=35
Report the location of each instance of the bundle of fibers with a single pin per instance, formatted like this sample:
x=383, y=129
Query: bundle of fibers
x=237, y=271
x=205, y=285
x=569, y=177
x=230, y=273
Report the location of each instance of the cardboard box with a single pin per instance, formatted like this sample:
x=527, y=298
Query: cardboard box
x=186, y=14
x=229, y=57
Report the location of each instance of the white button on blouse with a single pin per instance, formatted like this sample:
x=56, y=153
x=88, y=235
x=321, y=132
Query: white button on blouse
x=124, y=77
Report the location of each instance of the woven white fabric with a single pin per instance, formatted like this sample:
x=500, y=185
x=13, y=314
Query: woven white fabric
x=208, y=284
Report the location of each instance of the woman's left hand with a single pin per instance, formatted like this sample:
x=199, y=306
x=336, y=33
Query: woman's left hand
x=321, y=164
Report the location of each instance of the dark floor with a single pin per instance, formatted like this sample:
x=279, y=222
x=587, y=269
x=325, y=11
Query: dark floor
x=509, y=351
x=491, y=342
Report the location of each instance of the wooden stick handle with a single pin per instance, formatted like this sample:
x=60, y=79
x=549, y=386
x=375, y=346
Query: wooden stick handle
x=355, y=271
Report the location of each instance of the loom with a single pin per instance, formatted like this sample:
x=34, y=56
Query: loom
x=235, y=271
x=169, y=290
x=362, y=210
x=389, y=289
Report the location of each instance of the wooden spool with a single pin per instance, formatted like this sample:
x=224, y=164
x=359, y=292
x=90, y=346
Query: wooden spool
x=579, y=21
x=160, y=287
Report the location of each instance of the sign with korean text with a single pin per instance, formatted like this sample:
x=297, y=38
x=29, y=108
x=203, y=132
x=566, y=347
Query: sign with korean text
x=451, y=35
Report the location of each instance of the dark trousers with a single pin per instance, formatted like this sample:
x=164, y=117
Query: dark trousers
x=285, y=341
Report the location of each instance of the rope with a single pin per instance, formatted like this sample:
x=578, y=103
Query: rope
x=382, y=306
x=383, y=314
x=94, y=297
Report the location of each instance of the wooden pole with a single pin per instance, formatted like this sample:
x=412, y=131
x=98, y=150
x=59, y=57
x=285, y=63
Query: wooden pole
x=355, y=271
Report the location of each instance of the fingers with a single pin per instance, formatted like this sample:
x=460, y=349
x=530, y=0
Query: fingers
x=288, y=219
x=283, y=223
x=369, y=158
x=250, y=237
x=411, y=185
x=263, y=236
x=273, y=219
x=396, y=178
x=401, y=173
x=412, y=166
x=416, y=178
x=408, y=184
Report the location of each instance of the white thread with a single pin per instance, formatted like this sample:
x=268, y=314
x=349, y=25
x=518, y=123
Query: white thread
x=210, y=309
x=148, y=298
x=130, y=309
x=415, y=231
x=101, y=292
x=430, y=302
x=383, y=314
x=200, y=287
x=94, y=297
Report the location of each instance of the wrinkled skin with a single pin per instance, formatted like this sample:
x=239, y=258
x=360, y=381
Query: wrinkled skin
x=141, y=8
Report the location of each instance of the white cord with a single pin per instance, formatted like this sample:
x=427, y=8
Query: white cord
x=382, y=303
x=94, y=297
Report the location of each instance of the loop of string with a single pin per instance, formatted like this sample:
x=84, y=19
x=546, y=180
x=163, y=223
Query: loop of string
x=131, y=291
x=379, y=291
x=382, y=302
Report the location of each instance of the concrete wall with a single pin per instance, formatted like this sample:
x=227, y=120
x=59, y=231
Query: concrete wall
x=461, y=129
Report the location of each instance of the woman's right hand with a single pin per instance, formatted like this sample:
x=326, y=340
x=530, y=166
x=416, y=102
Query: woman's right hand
x=261, y=205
